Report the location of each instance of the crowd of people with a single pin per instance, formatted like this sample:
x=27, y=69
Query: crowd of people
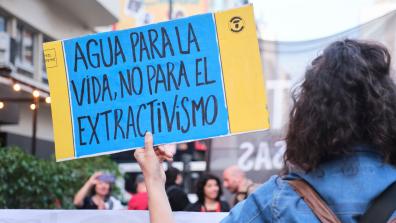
x=96, y=192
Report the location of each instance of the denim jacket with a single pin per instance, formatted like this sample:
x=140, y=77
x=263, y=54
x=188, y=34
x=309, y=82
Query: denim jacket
x=347, y=185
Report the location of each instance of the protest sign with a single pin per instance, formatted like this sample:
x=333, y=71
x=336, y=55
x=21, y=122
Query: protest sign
x=182, y=80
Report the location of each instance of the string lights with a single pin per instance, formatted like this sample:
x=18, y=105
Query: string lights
x=38, y=95
x=32, y=107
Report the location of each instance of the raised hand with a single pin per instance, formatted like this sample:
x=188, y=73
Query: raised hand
x=150, y=160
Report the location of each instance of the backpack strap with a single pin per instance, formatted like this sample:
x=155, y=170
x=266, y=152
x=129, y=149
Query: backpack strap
x=382, y=207
x=314, y=201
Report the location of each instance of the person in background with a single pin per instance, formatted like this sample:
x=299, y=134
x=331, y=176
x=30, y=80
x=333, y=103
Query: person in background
x=139, y=201
x=183, y=150
x=96, y=194
x=177, y=197
x=209, y=193
x=236, y=182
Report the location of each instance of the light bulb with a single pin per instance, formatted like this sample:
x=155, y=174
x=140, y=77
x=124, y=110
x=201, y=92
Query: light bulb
x=17, y=87
x=36, y=93
x=48, y=100
x=32, y=106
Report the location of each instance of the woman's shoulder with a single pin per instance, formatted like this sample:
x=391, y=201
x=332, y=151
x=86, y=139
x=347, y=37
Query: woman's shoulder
x=225, y=207
x=268, y=192
x=259, y=205
x=87, y=203
x=194, y=207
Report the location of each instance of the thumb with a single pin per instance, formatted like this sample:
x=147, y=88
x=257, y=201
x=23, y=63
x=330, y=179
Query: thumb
x=148, y=142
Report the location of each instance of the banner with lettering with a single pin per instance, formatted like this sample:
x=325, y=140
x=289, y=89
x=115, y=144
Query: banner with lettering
x=186, y=79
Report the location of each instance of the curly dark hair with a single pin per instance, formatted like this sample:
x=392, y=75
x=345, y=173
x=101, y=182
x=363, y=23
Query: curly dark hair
x=347, y=98
x=201, y=184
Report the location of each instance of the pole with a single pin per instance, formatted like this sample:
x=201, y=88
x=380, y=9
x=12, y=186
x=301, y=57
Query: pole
x=208, y=155
x=170, y=9
x=34, y=126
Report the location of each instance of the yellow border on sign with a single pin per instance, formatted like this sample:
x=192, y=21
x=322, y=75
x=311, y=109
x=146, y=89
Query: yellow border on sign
x=60, y=106
x=242, y=70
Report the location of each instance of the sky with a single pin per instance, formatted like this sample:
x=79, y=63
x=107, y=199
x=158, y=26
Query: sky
x=297, y=20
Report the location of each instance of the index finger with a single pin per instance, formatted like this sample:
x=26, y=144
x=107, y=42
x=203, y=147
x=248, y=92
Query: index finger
x=148, y=142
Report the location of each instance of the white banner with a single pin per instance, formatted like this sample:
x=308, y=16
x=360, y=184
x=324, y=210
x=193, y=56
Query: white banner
x=99, y=216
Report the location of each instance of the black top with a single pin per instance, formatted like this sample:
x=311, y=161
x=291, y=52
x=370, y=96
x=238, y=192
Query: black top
x=88, y=204
x=177, y=198
x=197, y=207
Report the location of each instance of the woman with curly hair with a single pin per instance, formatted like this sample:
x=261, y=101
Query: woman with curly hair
x=341, y=143
x=209, y=193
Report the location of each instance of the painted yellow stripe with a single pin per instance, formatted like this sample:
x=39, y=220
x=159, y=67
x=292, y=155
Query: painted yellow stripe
x=242, y=70
x=60, y=106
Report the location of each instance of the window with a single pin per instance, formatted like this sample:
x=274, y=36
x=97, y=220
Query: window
x=44, y=76
x=3, y=24
x=133, y=6
x=27, y=44
x=25, y=49
x=4, y=43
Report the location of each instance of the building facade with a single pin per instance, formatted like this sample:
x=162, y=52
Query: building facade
x=25, y=113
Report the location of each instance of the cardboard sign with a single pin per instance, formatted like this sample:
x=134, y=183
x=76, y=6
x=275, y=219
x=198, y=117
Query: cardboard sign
x=182, y=80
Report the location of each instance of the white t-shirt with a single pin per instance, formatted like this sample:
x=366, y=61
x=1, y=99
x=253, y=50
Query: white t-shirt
x=113, y=204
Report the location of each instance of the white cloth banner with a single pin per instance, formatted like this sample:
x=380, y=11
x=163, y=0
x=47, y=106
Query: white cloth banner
x=98, y=216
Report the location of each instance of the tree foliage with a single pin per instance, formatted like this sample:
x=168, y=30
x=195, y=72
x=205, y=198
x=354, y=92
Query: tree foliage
x=29, y=182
